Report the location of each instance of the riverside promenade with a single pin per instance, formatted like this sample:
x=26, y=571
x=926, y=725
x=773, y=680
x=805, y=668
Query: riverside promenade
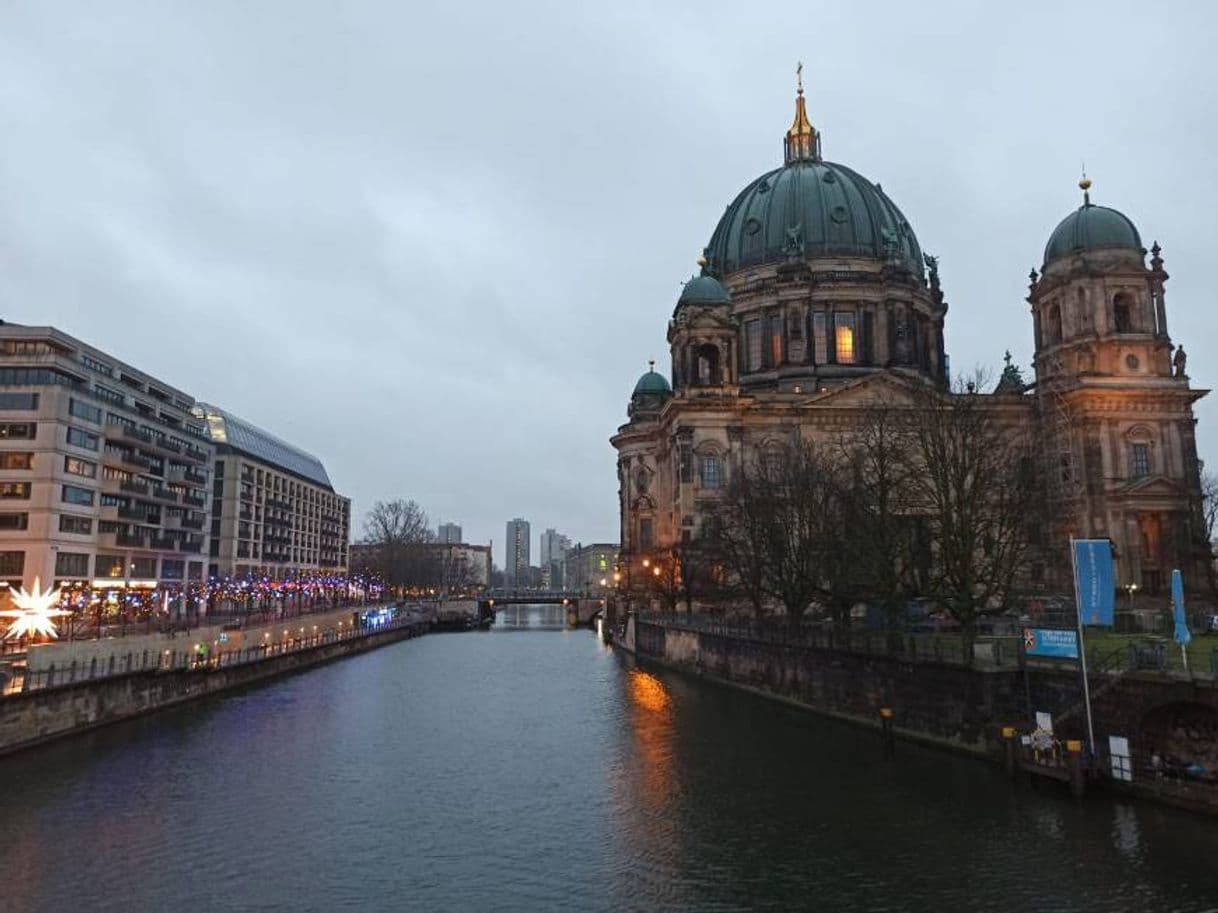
x=72, y=687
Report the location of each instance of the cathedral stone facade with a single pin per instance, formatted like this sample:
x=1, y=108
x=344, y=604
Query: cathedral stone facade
x=815, y=301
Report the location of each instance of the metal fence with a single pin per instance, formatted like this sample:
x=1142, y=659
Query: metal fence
x=991, y=652
x=188, y=658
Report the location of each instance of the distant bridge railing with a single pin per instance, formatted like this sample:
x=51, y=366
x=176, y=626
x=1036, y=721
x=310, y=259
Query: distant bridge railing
x=523, y=597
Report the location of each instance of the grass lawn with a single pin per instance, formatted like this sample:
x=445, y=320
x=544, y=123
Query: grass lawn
x=1201, y=652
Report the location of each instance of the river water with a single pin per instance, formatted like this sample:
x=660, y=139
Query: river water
x=531, y=769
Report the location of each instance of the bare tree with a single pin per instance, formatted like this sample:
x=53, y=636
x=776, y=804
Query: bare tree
x=396, y=529
x=734, y=532
x=1209, y=517
x=880, y=529
x=971, y=475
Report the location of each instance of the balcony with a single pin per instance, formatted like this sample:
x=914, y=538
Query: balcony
x=192, y=544
x=188, y=523
x=193, y=500
x=134, y=488
x=127, y=459
x=116, y=431
x=122, y=540
x=198, y=456
x=165, y=543
x=133, y=513
x=164, y=494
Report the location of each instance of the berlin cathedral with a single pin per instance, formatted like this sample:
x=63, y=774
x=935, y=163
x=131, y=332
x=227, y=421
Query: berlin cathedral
x=815, y=300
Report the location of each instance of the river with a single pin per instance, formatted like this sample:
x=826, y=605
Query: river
x=533, y=769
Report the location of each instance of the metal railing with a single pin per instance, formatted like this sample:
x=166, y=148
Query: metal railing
x=991, y=652
x=189, y=658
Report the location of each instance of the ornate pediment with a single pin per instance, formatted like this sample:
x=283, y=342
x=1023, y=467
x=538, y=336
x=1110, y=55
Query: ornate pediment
x=1153, y=486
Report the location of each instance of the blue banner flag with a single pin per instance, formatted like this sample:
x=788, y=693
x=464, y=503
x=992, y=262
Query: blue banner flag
x=1177, y=602
x=1050, y=643
x=1094, y=581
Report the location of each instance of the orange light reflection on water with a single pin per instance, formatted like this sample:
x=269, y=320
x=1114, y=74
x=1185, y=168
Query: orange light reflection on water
x=649, y=692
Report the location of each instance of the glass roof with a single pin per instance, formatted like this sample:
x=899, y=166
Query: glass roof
x=225, y=428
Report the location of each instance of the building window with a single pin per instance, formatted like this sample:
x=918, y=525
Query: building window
x=18, y=431
x=15, y=521
x=709, y=472
x=820, y=339
x=12, y=564
x=81, y=526
x=75, y=495
x=99, y=367
x=15, y=490
x=173, y=569
x=776, y=341
x=1053, y=325
x=1139, y=460
x=108, y=566
x=25, y=401
x=646, y=534
x=85, y=411
x=143, y=568
x=71, y=564
x=752, y=342
x=795, y=323
x=1121, y=311
x=78, y=438
x=16, y=460
x=78, y=467
x=110, y=396
x=843, y=338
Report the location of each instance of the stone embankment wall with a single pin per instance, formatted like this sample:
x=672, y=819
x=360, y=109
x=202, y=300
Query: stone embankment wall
x=33, y=717
x=947, y=703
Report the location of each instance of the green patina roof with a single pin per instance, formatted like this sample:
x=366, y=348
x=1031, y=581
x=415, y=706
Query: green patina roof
x=811, y=209
x=704, y=290
x=1092, y=227
x=654, y=383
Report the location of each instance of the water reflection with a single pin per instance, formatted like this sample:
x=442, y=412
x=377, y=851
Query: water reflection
x=543, y=772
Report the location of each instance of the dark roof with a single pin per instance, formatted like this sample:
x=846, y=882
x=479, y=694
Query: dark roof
x=224, y=428
x=1092, y=227
x=811, y=209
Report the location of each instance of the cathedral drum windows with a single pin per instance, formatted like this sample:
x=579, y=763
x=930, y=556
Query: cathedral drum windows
x=710, y=471
x=1122, y=313
x=843, y=337
x=1053, y=324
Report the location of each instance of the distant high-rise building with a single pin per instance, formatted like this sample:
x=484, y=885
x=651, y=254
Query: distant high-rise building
x=554, y=546
x=516, y=552
x=448, y=532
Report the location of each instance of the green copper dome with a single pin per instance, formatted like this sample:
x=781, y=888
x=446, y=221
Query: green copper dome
x=652, y=383
x=704, y=290
x=811, y=208
x=1092, y=227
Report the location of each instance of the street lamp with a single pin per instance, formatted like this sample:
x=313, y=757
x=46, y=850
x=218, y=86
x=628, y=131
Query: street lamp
x=1131, y=589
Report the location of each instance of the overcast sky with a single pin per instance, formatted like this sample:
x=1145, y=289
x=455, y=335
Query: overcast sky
x=436, y=243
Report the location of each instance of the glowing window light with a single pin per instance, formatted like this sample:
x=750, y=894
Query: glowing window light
x=844, y=339
x=34, y=613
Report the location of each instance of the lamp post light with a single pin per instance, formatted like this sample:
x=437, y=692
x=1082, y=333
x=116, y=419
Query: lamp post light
x=1131, y=589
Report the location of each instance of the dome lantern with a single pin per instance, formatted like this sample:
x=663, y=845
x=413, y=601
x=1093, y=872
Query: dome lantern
x=802, y=142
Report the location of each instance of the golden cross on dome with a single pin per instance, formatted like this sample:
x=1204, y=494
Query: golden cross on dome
x=799, y=76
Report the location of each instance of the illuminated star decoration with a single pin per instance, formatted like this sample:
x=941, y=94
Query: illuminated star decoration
x=33, y=613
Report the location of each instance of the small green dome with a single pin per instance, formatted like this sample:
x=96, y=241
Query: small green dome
x=654, y=384
x=1092, y=227
x=704, y=290
x=811, y=208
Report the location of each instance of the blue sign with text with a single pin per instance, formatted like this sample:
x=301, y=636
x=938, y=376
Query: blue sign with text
x=1051, y=643
x=1094, y=582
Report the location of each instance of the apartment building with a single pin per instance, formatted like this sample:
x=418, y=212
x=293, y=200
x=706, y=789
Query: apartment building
x=104, y=471
x=274, y=512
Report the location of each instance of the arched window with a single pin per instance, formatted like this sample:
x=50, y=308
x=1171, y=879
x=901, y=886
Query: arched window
x=1053, y=325
x=1139, y=441
x=708, y=365
x=1122, y=317
x=710, y=470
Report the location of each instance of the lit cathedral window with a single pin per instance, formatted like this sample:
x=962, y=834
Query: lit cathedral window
x=843, y=338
